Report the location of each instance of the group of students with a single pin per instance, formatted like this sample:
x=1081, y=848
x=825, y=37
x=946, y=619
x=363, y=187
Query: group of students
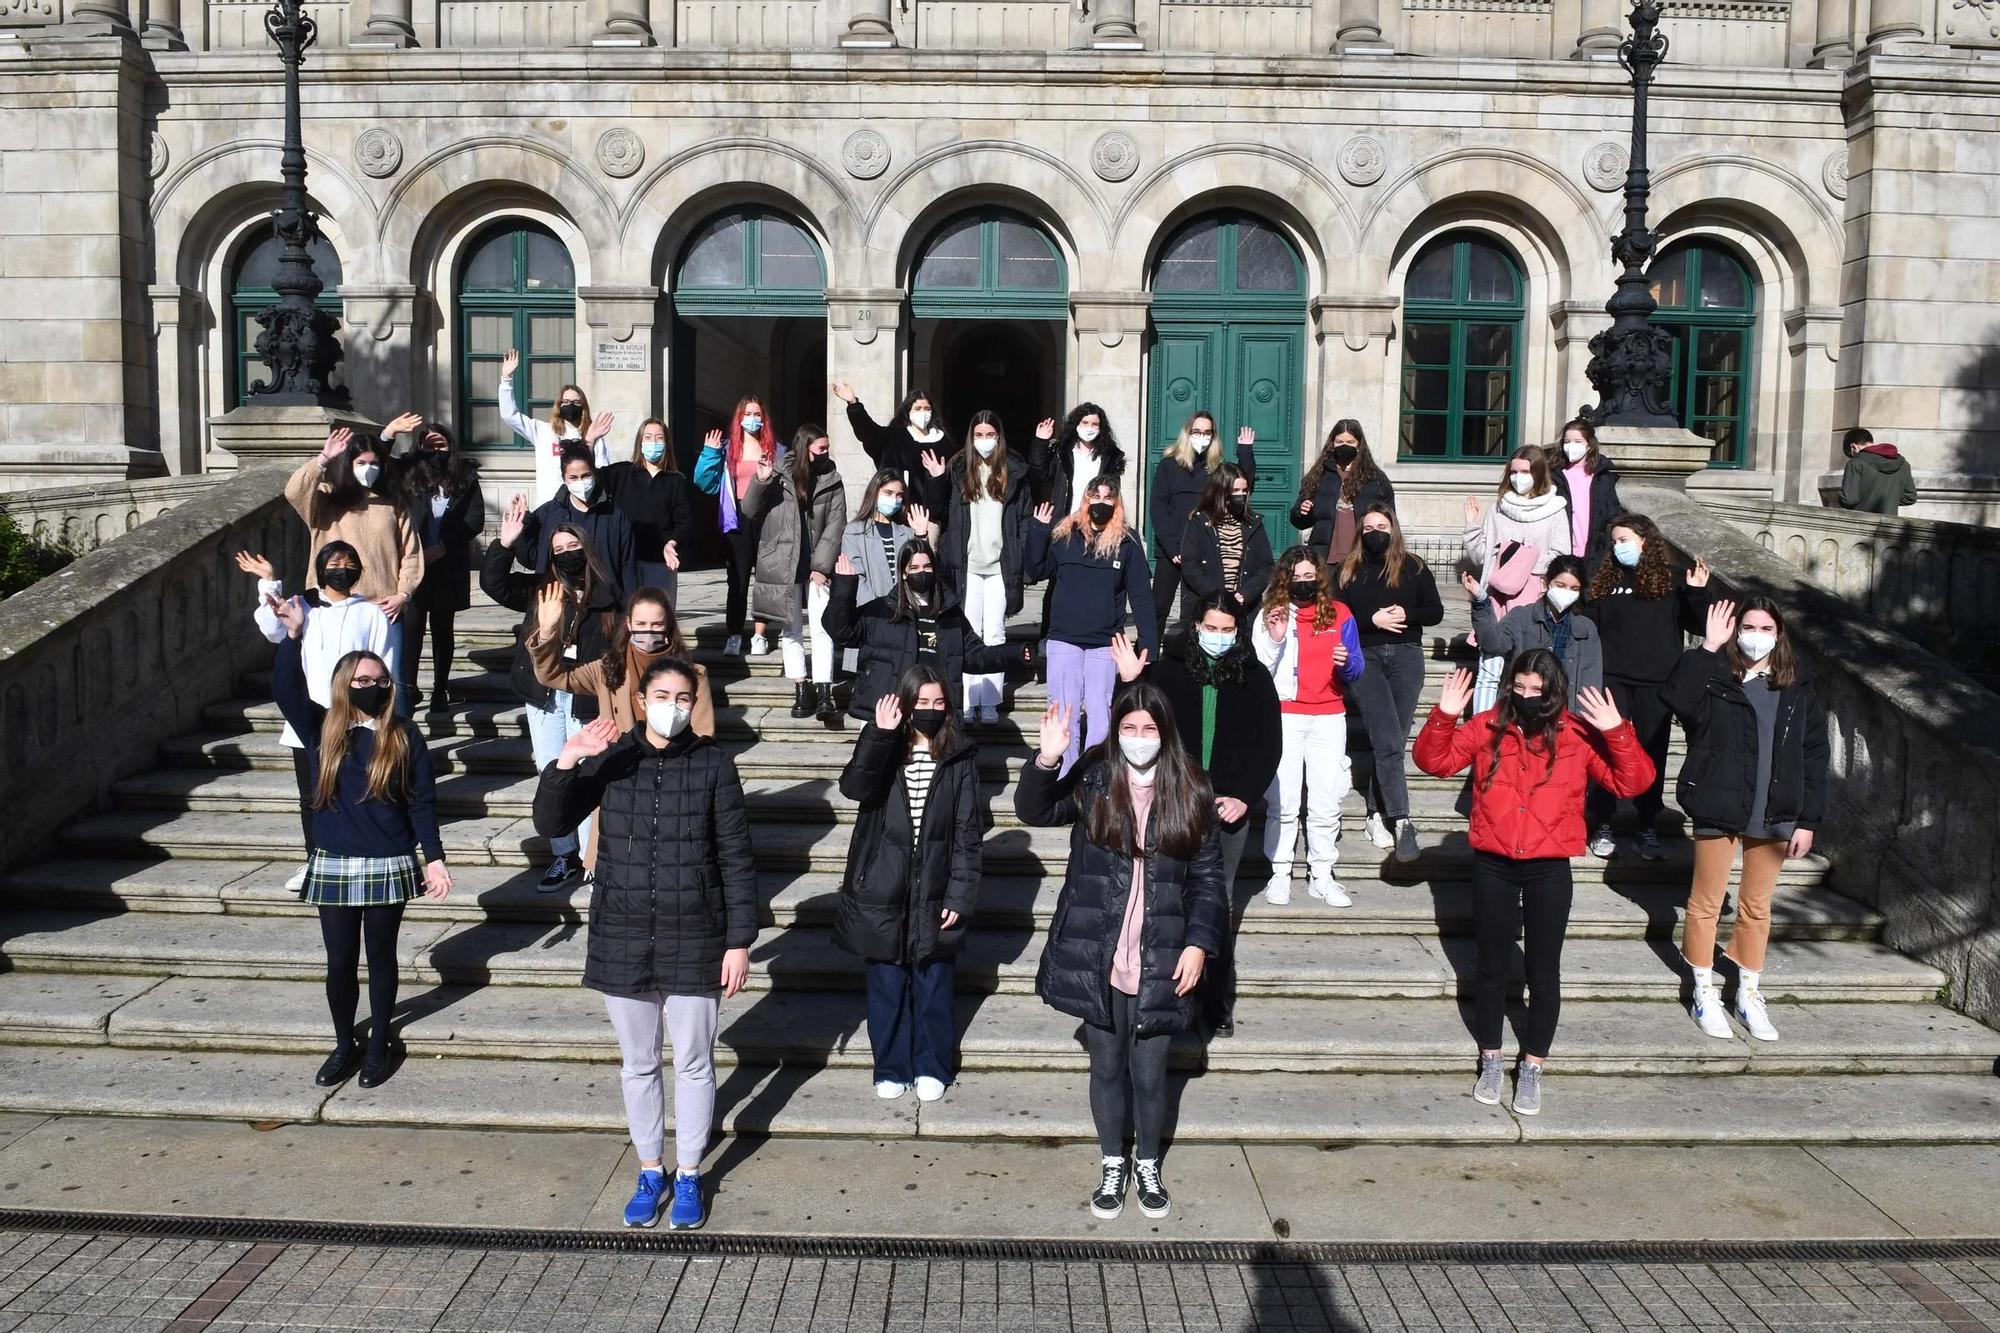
x=1155, y=753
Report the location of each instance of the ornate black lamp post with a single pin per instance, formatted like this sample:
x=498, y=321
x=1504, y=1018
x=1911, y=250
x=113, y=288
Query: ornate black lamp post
x=1631, y=361
x=300, y=344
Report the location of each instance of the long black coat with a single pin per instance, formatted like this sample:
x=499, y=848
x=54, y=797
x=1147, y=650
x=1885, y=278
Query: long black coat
x=676, y=886
x=1201, y=564
x=887, y=646
x=1326, y=501
x=447, y=584
x=1185, y=905
x=1177, y=490
x=1719, y=776
x=957, y=535
x=499, y=580
x=900, y=881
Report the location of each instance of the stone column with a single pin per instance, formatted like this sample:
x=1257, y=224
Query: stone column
x=1812, y=336
x=614, y=355
x=1115, y=27
x=1360, y=31
x=1351, y=334
x=862, y=326
x=1895, y=23
x=1603, y=28
x=619, y=23
x=1576, y=323
x=163, y=26
x=1833, y=35
x=176, y=331
x=868, y=26
x=1109, y=345
x=100, y=16
x=388, y=26
x=377, y=335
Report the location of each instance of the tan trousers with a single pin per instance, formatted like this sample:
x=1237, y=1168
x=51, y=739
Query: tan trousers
x=1714, y=857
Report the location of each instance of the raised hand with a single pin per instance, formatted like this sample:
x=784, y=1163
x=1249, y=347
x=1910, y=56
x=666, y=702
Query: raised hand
x=1390, y=618
x=934, y=462
x=1246, y=436
x=336, y=444
x=407, y=421
x=437, y=880
x=1471, y=511
x=291, y=613
x=1721, y=625
x=600, y=426
x=888, y=713
x=514, y=520
x=844, y=391
x=670, y=556
x=549, y=607
x=1456, y=693
x=1698, y=576
x=712, y=440
x=1599, y=709
x=1469, y=582
x=1130, y=665
x=510, y=363
x=591, y=739
x=1045, y=513
x=920, y=518
x=1054, y=739
x=1045, y=429
x=255, y=564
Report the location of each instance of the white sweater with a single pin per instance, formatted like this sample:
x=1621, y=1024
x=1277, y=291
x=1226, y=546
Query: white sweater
x=545, y=442
x=1540, y=521
x=353, y=624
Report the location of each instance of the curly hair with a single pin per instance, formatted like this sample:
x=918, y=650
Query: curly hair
x=1654, y=577
x=1280, y=591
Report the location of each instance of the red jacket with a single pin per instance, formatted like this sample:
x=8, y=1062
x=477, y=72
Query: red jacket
x=1531, y=810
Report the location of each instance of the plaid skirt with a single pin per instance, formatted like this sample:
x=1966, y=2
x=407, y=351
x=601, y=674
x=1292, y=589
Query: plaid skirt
x=361, y=881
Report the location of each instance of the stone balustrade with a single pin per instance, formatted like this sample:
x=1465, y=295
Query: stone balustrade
x=86, y=517
x=107, y=658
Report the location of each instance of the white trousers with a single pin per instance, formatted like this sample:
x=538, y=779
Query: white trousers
x=810, y=613
x=690, y=1025
x=1313, y=771
x=986, y=612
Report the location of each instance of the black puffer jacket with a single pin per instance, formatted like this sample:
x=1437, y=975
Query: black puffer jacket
x=899, y=881
x=888, y=643
x=1201, y=564
x=1719, y=776
x=1014, y=511
x=1184, y=906
x=676, y=887
x=499, y=580
x=1326, y=503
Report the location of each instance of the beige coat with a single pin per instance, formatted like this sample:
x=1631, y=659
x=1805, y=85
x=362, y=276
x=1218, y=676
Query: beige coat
x=379, y=531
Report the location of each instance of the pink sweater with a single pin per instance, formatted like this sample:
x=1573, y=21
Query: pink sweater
x=1579, y=507
x=1125, y=958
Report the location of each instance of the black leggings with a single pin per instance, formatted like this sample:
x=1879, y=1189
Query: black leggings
x=303, y=773
x=442, y=623
x=345, y=929
x=1166, y=582
x=1537, y=893
x=1640, y=701
x=741, y=550
x=1128, y=1080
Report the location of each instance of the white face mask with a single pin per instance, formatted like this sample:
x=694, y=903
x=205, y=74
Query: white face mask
x=668, y=722
x=1140, y=752
x=985, y=444
x=920, y=417
x=1755, y=644
x=581, y=488
x=1562, y=599
x=1087, y=434
x=1522, y=482
x=1574, y=450
x=1201, y=440
x=366, y=473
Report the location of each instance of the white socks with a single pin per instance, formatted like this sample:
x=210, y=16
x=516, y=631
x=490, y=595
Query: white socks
x=1704, y=978
x=1749, y=978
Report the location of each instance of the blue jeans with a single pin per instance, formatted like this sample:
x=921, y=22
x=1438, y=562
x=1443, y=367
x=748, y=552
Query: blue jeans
x=912, y=1026
x=548, y=728
x=397, y=671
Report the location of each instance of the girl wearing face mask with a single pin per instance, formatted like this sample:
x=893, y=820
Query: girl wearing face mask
x=590, y=618
x=912, y=878
x=728, y=464
x=1394, y=599
x=920, y=623
x=1226, y=709
x=337, y=624
x=1530, y=759
x=584, y=505
x=1554, y=621
x=1141, y=911
x=448, y=510
x=1754, y=781
x=1308, y=640
x=882, y=525
x=1588, y=484
x=798, y=510
x=569, y=422
x=375, y=841
x=1063, y=460
x=1225, y=551
x=656, y=501
x=1342, y=484
x=672, y=916
x=1645, y=604
x=985, y=541
x=1183, y=475
x=913, y=444
x=1097, y=573
x=1511, y=547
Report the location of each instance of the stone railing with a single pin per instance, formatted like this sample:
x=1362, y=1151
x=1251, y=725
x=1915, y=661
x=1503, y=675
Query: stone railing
x=1915, y=784
x=105, y=659
x=1936, y=582
x=86, y=517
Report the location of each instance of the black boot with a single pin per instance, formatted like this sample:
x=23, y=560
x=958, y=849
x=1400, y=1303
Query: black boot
x=827, y=712
x=803, y=700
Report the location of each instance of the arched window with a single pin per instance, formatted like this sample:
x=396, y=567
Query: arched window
x=751, y=261
x=1708, y=302
x=251, y=293
x=1463, y=309
x=516, y=288
x=990, y=265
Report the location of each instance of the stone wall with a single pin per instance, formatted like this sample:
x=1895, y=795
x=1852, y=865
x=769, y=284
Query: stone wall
x=86, y=517
x=108, y=657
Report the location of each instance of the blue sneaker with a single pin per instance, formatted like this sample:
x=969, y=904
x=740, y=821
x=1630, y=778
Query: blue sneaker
x=647, y=1200
x=687, y=1214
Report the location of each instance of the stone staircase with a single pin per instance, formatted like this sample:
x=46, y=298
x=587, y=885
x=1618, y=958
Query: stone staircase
x=157, y=966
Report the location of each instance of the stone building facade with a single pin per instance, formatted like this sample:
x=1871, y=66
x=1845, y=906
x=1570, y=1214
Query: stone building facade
x=1288, y=211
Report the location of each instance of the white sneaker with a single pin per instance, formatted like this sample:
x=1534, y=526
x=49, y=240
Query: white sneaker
x=928, y=1089
x=1379, y=834
x=1327, y=889
x=1750, y=1010
x=733, y=645
x=759, y=645
x=1278, y=891
x=889, y=1090
x=1709, y=1013
x=298, y=879
x=990, y=713
x=970, y=716
x=1602, y=844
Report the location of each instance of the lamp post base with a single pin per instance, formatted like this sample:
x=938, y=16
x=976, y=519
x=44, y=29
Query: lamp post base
x=1655, y=455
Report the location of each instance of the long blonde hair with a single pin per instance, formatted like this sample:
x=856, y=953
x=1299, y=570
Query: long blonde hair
x=389, y=766
x=1182, y=449
x=556, y=422
x=1104, y=544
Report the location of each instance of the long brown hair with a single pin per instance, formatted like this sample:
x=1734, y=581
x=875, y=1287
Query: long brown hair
x=389, y=766
x=1507, y=717
x=1537, y=459
x=996, y=477
x=667, y=462
x=1592, y=460
x=556, y=422
x=1398, y=558
x=1104, y=544
x=1784, y=660
x=1363, y=469
x=577, y=600
x=913, y=680
x=1183, y=802
x=1280, y=591
x=866, y=513
x=1215, y=495
x=620, y=652
x=1653, y=578
x=803, y=440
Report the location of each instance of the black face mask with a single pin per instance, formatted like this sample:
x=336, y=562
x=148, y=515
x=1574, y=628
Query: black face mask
x=1537, y=710
x=927, y=721
x=570, y=564
x=1239, y=507
x=1343, y=454
x=368, y=698
x=821, y=464
x=1375, y=545
x=1100, y=513
x=341, y=578
x=571, y=412
x=923, y=582
x=1305, y=592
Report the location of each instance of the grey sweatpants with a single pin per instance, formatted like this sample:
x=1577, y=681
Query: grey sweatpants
x=690, y=1025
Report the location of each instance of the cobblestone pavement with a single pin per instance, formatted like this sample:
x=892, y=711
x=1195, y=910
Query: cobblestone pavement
x=110, y=1283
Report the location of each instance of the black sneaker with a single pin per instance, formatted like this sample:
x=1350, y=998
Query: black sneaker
x=339, y=1066
x=1109, y=1199
x=1153, y=1200
x=559, y=873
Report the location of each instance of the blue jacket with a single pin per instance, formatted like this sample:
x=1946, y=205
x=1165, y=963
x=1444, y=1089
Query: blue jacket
x=1091, y=593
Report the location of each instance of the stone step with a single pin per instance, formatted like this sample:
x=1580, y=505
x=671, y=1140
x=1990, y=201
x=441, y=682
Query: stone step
x=1003, y=960
x=507, y=841
x=1218, y=1107
x=500, y=893
x=828, y=1029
